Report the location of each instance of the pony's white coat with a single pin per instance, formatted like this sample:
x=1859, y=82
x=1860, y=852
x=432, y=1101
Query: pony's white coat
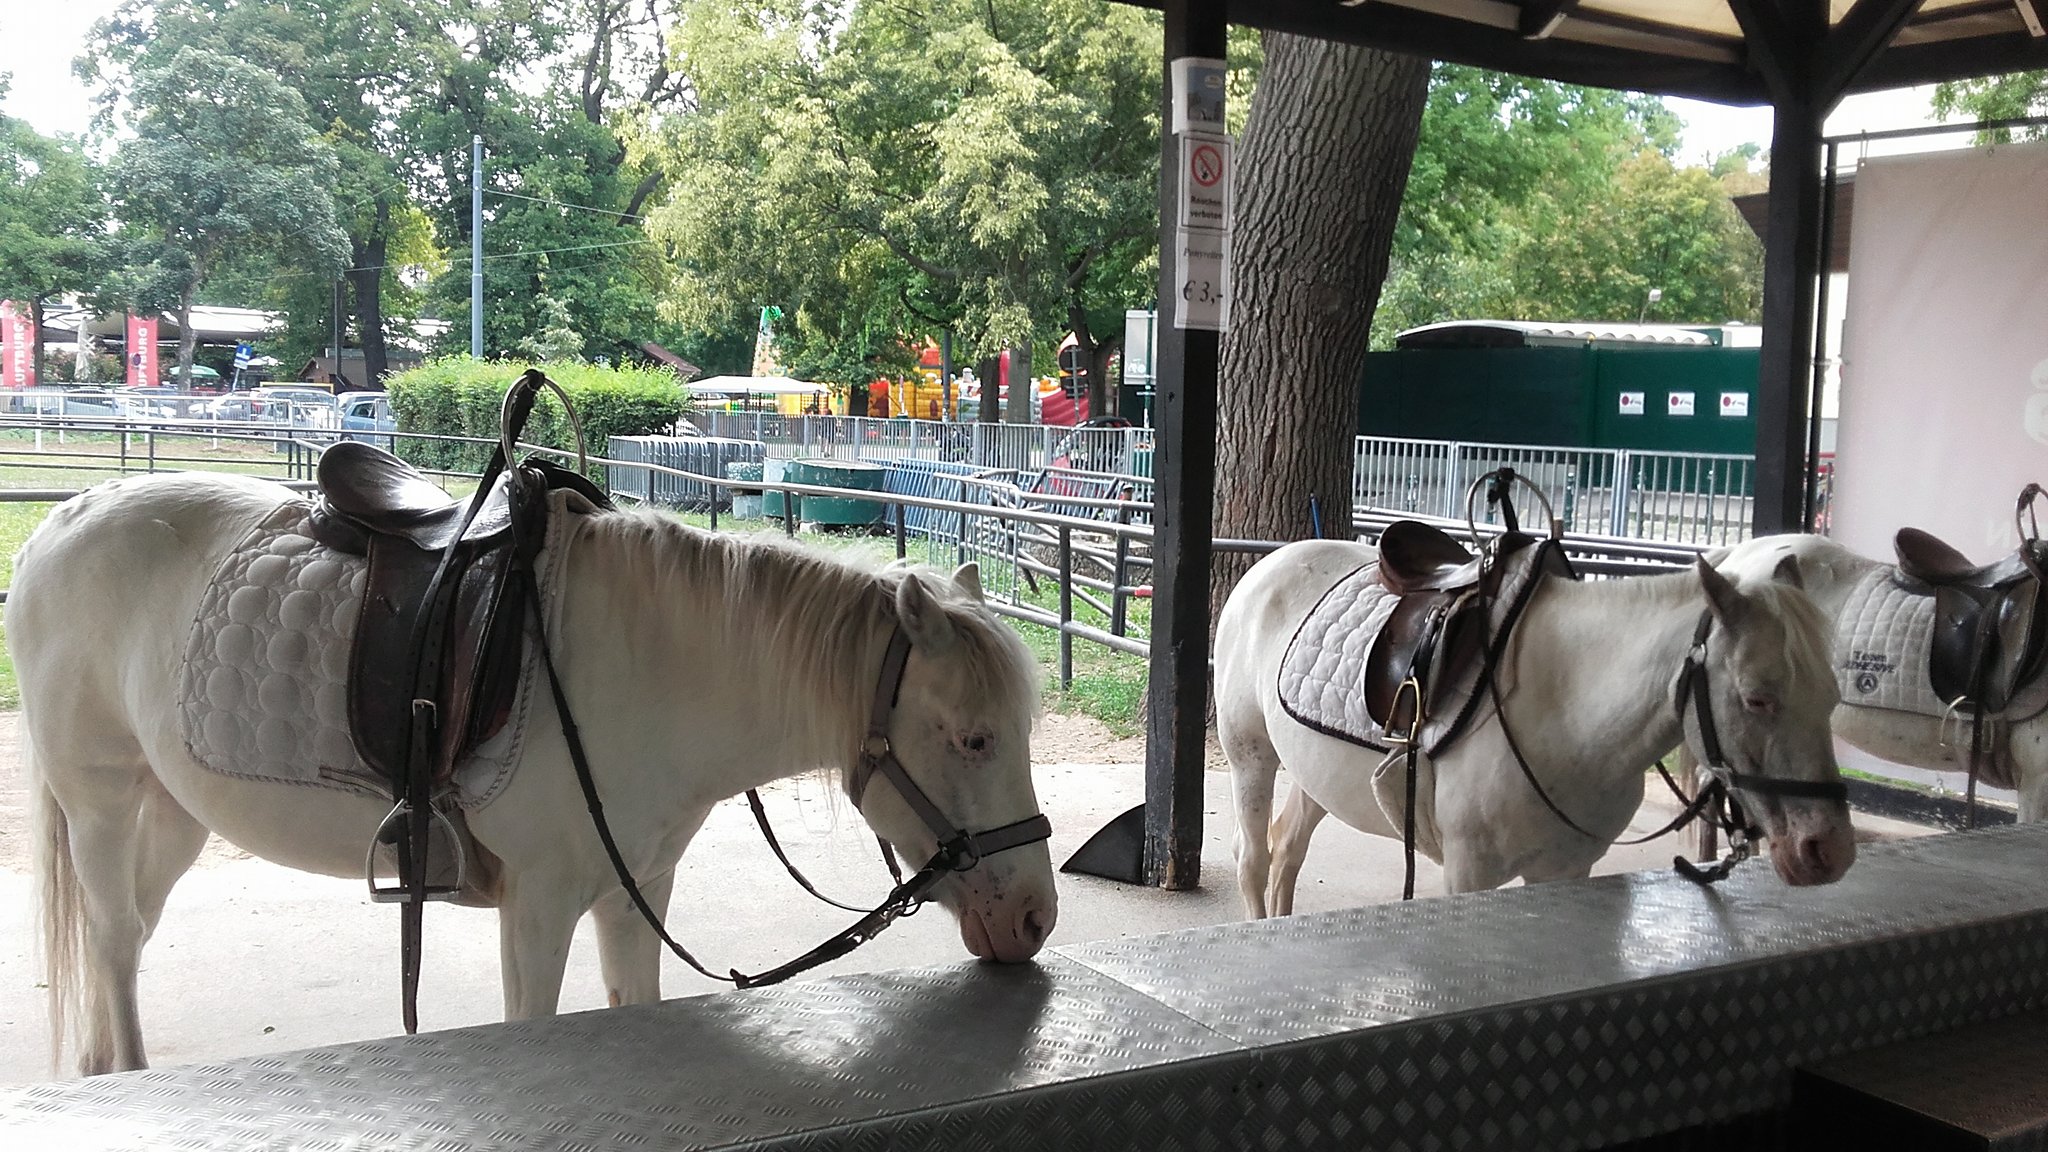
x=1831, y=572
x=1588, y=685
x=697, y=665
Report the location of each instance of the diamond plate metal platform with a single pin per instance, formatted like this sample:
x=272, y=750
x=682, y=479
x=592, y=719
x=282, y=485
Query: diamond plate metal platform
x=1561, y=1016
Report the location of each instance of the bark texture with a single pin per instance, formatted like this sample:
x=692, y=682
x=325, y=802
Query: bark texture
x=1320, y=175
x=366, y=278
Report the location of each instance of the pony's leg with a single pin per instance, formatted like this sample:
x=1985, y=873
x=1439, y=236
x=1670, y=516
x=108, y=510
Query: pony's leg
x=170, y=841
x=628, y=951
x=1470, y=866
x=1253, y=765
x=104, y=857
x=536, y=921
x=2028, y=749
x=1291, y=832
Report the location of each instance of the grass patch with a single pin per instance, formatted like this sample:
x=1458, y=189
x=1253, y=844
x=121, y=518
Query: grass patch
x=16, y=522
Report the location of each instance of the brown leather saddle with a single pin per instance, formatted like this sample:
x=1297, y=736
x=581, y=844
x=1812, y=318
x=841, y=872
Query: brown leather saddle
x=445, y=654
x=1989, y=640
x=1439, y=629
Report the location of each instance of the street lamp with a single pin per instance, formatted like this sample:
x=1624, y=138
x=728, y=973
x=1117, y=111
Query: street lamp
x=1655, y=295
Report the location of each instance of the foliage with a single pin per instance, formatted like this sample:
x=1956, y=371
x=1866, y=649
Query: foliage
x=51, y=215
x=883, y=171
x=458, y=396
x=396, y=88
x=221, y=158
x=1531, y=199
x=2006, y=97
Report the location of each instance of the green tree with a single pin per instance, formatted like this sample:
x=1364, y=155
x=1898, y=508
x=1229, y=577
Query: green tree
x=221, y=159
x=2006, y=97
x=890, y=171
x=52, y=217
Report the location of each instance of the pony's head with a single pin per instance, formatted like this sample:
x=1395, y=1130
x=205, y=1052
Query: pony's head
x=1771, y=691
x=961, y=728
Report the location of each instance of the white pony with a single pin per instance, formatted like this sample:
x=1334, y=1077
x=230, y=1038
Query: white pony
x=698, y=666
x=1832, y=571
x=1588, y=683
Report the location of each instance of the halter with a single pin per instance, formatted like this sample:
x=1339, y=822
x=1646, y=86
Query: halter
x=1716, y=802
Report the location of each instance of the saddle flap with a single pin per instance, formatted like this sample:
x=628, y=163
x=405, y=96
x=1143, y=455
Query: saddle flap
x=1418, y=557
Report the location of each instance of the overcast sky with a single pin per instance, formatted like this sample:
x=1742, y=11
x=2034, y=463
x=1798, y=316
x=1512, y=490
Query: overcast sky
x=40, y=38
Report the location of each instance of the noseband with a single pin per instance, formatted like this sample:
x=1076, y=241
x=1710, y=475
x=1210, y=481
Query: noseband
x=1717, y=802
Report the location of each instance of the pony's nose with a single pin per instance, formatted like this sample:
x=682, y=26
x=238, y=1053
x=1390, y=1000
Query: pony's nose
x=1034, y=926
x=1813, y=855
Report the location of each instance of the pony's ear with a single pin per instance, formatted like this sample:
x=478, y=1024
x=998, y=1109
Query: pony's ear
x=1722, y=598
x=1787, y=572
x=922, y=616
x=968, y=577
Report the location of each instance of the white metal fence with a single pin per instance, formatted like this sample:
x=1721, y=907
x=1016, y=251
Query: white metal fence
x=1017, y=447
x=1681, y=497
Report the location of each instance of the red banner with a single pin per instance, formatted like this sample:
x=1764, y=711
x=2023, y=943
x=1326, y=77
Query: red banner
x=142, y=369
x=17, y=345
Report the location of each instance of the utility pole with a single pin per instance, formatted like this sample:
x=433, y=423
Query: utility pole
x=476, y=247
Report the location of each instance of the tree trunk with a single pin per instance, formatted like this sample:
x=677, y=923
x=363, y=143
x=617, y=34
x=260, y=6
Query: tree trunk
x=1101, y=397
x=1018, y=410
x=366, y=278
x=991, y=372
x=188, y=340
x=35, y=338
x=1320, y=175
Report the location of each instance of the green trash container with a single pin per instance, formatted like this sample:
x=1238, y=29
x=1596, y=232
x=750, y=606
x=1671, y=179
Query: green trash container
x=1141, y=461
x=772, y=502
x=838, y=511
x=746, y=502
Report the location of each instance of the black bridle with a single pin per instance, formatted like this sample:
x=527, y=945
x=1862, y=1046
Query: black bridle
x=1722, y=807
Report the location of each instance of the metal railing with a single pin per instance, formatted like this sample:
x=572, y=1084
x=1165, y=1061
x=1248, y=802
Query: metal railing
x=1020, y=447
x=1682, y=497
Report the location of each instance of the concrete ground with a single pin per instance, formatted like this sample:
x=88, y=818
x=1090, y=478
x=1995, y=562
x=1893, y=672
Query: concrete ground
x=254, y=958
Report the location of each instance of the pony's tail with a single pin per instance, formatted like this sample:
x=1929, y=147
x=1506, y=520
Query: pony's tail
x=60, y=912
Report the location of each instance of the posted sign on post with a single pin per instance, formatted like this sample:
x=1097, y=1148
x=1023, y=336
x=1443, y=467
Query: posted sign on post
x=1206, y=212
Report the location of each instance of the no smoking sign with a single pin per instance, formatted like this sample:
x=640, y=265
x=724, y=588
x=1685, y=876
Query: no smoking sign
x=1205, y=201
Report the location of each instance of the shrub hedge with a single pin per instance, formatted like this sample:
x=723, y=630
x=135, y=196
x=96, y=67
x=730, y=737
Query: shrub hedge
x=458, y=396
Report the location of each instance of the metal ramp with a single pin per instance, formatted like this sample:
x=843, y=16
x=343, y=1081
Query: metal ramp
x=1568, y=1015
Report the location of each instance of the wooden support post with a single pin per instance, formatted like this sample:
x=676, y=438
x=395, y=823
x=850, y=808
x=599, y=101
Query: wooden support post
x=1184, y=472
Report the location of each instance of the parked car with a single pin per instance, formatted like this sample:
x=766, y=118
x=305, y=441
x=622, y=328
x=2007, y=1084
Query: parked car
x=363, y=413
x=299, y=406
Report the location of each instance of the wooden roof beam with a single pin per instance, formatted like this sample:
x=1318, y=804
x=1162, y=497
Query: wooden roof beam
x=1768, y=36
x=2030, y=12
x=1540, y=18
x=1855, y=41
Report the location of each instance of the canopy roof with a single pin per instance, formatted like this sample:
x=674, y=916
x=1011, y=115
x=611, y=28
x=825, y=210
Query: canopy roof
x=1733, y=51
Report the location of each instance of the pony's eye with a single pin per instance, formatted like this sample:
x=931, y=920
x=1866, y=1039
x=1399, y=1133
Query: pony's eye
x=1760, y=703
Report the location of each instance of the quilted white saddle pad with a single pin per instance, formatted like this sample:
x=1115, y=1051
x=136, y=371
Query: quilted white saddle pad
x=1881, y=646
x=263, y=693
x=1322, y=674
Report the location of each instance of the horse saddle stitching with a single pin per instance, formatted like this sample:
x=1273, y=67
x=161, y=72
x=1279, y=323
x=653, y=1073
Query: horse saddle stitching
x=1987, y=644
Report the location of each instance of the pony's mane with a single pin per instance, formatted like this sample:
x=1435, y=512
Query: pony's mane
x=1809, y=633
x=825, y=619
